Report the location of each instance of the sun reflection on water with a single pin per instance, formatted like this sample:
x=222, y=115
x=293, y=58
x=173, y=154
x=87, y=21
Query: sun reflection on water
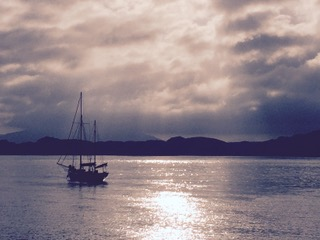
x=176, y=206
x=176, y=216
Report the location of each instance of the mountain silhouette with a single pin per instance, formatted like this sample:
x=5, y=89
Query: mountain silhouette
x=300, y=145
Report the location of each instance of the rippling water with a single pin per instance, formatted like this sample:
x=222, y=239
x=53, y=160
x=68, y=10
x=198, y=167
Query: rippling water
x=163, y=198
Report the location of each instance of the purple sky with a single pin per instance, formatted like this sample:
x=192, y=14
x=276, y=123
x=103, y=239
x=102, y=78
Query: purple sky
x=234, y=70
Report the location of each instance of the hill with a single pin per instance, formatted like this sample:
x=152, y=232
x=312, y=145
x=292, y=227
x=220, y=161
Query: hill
x=301, y=145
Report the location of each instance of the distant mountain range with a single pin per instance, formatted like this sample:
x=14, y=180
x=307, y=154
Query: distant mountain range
x=301, y=145
x=29, y=136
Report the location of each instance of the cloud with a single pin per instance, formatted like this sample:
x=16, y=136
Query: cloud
x=234, y=69
x=236, y=6
x=264, y=43
x=250, y=22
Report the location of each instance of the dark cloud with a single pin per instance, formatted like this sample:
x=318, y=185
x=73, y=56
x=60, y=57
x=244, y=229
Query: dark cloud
x=237, y=5
x=32, y=46
x=248, y=23
x=260, y=65
x=280, y=115
x=267, y=42
x=21, y=38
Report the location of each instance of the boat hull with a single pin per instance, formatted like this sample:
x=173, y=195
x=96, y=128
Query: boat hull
x=86, y=176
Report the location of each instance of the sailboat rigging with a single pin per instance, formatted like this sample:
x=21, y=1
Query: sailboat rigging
x=84, y=171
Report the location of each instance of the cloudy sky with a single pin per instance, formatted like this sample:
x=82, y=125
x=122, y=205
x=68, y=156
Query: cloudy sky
x=230, y=69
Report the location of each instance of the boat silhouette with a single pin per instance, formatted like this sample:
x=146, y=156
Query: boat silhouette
x=81, y=168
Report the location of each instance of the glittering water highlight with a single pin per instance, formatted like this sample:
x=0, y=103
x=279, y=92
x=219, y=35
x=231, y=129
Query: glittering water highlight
x=163, y=198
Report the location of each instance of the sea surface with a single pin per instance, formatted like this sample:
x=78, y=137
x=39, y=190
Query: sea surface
x=163, y=198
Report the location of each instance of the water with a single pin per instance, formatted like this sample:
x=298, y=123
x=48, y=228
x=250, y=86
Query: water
x=163, y=198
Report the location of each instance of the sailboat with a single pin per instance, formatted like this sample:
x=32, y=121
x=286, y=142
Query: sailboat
x=80, y=169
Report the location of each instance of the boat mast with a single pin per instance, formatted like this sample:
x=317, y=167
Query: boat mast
x=94, y=138
x=81, y=128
